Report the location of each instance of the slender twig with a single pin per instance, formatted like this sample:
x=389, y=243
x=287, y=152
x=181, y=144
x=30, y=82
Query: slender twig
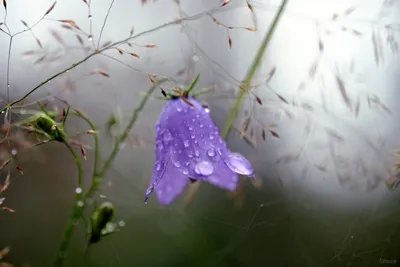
x=252, y=70
x=168, y=24
x=104, y=23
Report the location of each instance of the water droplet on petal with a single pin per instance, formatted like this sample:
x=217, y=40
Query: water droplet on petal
x=159, y=146
x=204, y=168
x=177, y=164
x=211, y=136
x=211, y=152
x=158, y=166
x=167, y=136
x=185, y=171
x=78, y=190
x=197, y=153
x=207, y=110
x=186, y=143
x=190, y=128
x=178, y=109
x=239, y=164
x=201, y=125
x=193, y=136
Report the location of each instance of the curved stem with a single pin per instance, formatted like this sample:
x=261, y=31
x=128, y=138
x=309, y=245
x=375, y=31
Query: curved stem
x=99, y=176
x=252, y=70
x=79, y=205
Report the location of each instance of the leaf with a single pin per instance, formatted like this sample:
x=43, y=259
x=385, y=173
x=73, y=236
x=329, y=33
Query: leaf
x=357, y=108
x=343, y=92
x=259, y=100
x=39, y=43
x=271, y=74
x=57, y=37
x=135, y=55
x=263, y=134
x=320, y=45
x=50, y=8
x=103, y=74
x=282, y=98
x=19, y=169
x=24, y=23
x=245, y=126
x=80, y=40
x=106, y=44
x=334, y=134
x=131, y=31
x=65, y=26
x=274, y=134
x=313, y=69
x=349, y=11
x=375, y=47
x=225, y=3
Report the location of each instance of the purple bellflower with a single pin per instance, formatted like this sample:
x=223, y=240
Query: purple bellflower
x=189, y=148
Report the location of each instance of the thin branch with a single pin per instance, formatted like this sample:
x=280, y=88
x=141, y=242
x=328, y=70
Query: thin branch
x=104, y=23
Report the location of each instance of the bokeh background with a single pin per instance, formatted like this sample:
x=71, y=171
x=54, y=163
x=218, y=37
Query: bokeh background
x=324, y=163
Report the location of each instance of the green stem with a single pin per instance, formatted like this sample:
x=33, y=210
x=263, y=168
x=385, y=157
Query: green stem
x=81, y=202
x=252, y=70
x=98, y=178
x=79, y=205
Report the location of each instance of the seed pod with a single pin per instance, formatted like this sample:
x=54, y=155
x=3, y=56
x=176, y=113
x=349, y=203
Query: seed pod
x=100, y=218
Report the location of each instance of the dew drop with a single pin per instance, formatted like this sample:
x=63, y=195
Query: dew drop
x=193, y=136
x=79, y=203
x=90, y=38
x=177, y=164
x=121, y=223
x=190, y=128
x=239, y=164
x=186, y=143
x=90, y=17
x=207, y=110
x=190, y=154
x=8, y=85
x=14, y=152
x=158, y=166
x=196, y=58
x=204, y=168
x=211, y=152
x=197, y=153
x=185, y=171
x=78, y=190
x=159, y=146
x=211, y=136
x=178, y=109
x=201, y=125
x=167, y=136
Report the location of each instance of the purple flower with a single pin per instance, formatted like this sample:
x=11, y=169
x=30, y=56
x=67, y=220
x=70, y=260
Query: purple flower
x=189, y=148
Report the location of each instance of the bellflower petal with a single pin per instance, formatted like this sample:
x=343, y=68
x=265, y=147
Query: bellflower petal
x=189, y=147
